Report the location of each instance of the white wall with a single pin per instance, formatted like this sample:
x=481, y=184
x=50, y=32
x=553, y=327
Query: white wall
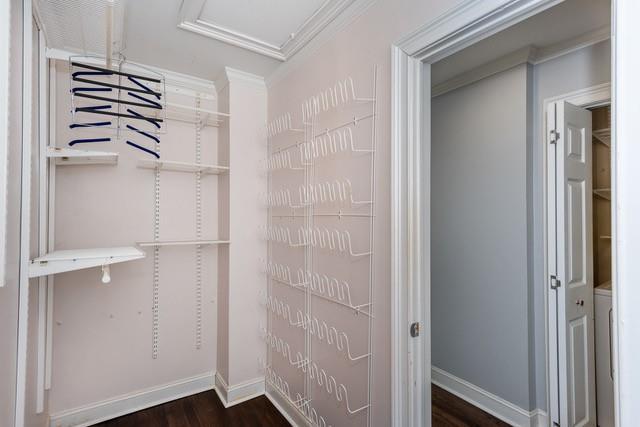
x=480, y=233
x=9, y=293
x=241, y=312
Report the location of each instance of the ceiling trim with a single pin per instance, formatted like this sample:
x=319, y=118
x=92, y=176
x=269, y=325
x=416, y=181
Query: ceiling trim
x=527, y=54
x=190, y=20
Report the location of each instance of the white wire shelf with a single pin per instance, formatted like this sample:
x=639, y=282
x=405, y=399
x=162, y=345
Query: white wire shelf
x=605, y=193
x=70, y=156
x=182, y=166
x=183, y=243
x=603, y=136
x=193, y=115
x=78, y=259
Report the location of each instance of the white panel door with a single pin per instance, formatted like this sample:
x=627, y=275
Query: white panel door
x=571, y=264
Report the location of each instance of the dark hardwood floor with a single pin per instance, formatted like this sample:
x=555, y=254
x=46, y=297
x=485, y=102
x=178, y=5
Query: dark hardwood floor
x=206, y=410
x=203, y=410
x=449, y=410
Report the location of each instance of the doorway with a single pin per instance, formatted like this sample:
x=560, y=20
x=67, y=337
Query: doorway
x=414, y=125
x=579, y=262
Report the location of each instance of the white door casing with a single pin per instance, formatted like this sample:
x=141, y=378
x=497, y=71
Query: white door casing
x=571, y=264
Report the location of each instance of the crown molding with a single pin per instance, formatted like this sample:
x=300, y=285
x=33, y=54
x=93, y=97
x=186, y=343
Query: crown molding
x=190, y=20
x=233, y=75
x=528, y=54
x=356, y=9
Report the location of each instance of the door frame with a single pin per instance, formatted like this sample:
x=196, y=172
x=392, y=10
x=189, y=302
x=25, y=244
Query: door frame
x=411, y=59
x=594, y=96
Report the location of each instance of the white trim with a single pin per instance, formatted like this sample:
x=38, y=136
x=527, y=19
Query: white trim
x=574, y=44
x=238, y=393
x=356, y=9
x=43, y=132
x=234, y=75
x=233, y=38
x=5, y=26
x=463, y=25
x=488, y=402
x=528, y=54
x=506, y=62
x=191, y=20
x=25, y=212
x=285, y=407
x=132, y=402
x=52, y=113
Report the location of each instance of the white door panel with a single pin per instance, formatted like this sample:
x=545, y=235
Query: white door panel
x=570, y=242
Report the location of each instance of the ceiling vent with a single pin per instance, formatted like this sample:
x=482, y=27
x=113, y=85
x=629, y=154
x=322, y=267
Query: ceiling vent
x=89, y=27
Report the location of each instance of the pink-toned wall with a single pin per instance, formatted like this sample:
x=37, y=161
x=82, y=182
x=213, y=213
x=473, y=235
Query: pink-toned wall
x=354, y=51
x=102, y=334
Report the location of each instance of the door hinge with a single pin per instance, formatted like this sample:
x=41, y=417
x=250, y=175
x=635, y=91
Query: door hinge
x=554, y=136
x=555, y=282
x=414, y=329
x=555, y=424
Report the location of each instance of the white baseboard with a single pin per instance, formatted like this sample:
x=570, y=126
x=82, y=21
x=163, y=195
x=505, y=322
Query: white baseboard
x=285, y=407
x=488, y=402
x=132, y=402
x=238, y=393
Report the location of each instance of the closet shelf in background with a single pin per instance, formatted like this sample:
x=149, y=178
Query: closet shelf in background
x=78, y=259
x=183, y=242
x=70, y=156
x=182, y=166
x=605, y=193
x=603, y=136
x=193, y=115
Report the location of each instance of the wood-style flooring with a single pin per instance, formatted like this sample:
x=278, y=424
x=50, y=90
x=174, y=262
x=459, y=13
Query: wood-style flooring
x=203, y=410
x=206, y=410
x=448, y=410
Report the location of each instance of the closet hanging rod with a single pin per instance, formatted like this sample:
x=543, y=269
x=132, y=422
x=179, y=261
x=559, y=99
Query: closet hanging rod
x=108, y=113
x=118, y=101
x=115, y=86
x=121, y=73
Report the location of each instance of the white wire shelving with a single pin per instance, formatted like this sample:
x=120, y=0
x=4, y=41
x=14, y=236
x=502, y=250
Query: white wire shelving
x=605, y=193
x=603, y=136
x=196, y=242
x=315, y=195
x=70, y=156
x=170, y=165
x=77, y=259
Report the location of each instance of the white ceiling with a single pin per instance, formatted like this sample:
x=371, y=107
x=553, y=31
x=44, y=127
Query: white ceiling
x=255, y=36
x=271, y=21
x=566, y=21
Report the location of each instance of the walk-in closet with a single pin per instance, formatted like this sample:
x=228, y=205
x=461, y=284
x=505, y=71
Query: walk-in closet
x=318, y=213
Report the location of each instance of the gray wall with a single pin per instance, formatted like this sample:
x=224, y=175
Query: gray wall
x=487, y=224
x=480, y=314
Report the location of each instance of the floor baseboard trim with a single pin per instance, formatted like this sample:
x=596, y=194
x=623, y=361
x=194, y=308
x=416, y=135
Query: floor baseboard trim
x=488, y=402
x=132, y=402
x=238, y=393
x=285, y=407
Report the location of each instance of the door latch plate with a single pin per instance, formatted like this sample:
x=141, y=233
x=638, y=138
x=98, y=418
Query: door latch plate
x=414, y=330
